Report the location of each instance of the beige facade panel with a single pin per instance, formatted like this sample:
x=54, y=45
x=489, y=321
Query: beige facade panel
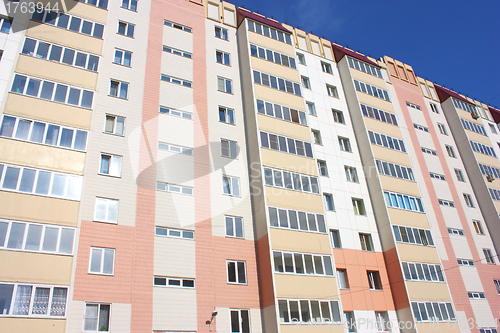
x=174, y=309
x=35, y=268
x=33, y=208
x=308, y=202
x=39, y=325
x=374, y=102
x=175, y=210
x=183, y=263
x=452, y=327
x=486, y=159
x=399, y=185
x=289, y=162
x=292, y=328
x=279, y=97
x=428, y=291
x=51, y=112
x=311, y=287
x=84, y=11
x=41, y=156
x=286, y=128
x=58, y=72
x=408, y=218
x=64, y=37
x=269, y=67
x=263, y=41
x=299, y=241
x=381, y=127
x=418, y=253
x=479, y=138
x=367, y=78
x=390, y=155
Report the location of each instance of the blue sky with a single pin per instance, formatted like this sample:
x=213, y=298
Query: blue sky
x=452, y=43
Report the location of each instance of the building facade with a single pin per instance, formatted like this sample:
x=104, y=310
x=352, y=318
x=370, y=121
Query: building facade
x=189, y=166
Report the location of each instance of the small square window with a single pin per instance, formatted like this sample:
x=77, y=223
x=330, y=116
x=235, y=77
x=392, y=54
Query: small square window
x=383, y=323
x=236, y=272
x=460, y=176
x=118, y=89
x=366, y=242
x=328, y=202
x=240, y=321
x=126, y=29
x=442, y=129
x=493, y=129
x=338, y=116
x=488, y=256
x=450, y=151
x=332, y=91
x=221, y=33
x=478, y=227
x=224, y=85
x=231, y=186
x=130, y=4
x=102, y=260
x=234, y=226
x=226, y=115
x=111, y=165
x=222, y=58
x=342, y=279
x=106, y=210
x=96, y=317
x=301, y=58
x=229, y=148
x=358, y=206
x=434, y=108
x=323, y=170
x=114, y=125
x=344, y=144
x=327, y=68
x=305, y=82
x=317, y=137
x=351, y=174
x=123, y=57
x=5, y=25
x=335, y=234
x=311, y=108
x=374, y=280
x=468, y=200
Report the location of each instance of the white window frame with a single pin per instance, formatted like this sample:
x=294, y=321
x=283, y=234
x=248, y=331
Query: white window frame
x=478, y=227
x=120, y=88
x=442, y=129
x=326, y=197
x=122, y=57
x=231, y=181
x=468, y=200
x=301, y=59
x=227, y=118
x=317, y=137
x=114, y=167
x=338, y=116
x=306, y=83
x=332, y=91
x=98, y=316
x=233, y=221
x=229, y=148
x=101, y=264
x=311, y=108
x=225, y=58
x=345, y=144
x=343, y=282
x=225, y=82
x=327, y=68
x=488, y=256
x=450, y=151
x=126, y=32
x=115, y=122
x=174, y=282
x=336, y=240
x=221, y=33
x=358, y=206
x=237, y=267
x=351, y=174
x=107, y=203
x=366, y=242
x=322, y=168
x=240, y=320
x=460, y=175
x=374, y=280
x=127, y=4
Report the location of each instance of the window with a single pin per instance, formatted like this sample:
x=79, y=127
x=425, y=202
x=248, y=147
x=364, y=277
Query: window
x=442, y=129
x=417, y=271
x=291, y=180
x=5, y=24
x=60, y=54
x=118, y=89
x=52, y=91
x=311, y=108
x=122, y=57
x=42, y=238
x=176, y=80
x=32, y=300
x=383, y=324
x=281, y=112
x=342, y=278
x=433, y=311
x=264, y=30
x=350, y=321
x=450, y=151
x=176, y=26
x=177, y=113
x=240, y=321
x=301, y=58
x=114, y=125
x=351, y=174
x=226, y=115
x=335, y=234
x=475, y=295
x=420, y=127
x=374, y=280
x=449, y=203
x=434, y=108
x=302, y=263
x=110, y=165
x=492, y=128
x=488, y=256
x=394, y=170
x=130, y=4
x=286, y=144
x=358, y=206
x=317, y=137
x=276, y=83
x=429, y=151
x=270, y=55
x=173, y=282
x=453, y=231
x=177, y=52
x=70, y=22
x=229, y=148
x=305, y=82
x=338, y=116
x=460, y=176
x=222, y=58
x=40, y=182
x=96, y=317
x=332, y=91
x=236, y=272
x=471, y=126
x=413, y=106
x=126, y=29
x=172, y=188
x=328, y=202
x=224, y=85
x=466, y=262
x=413, y=235
x=364, y=67
x=366, y=242
x=437, y=176
x=100, y=3
x=102, y=260
x=318, y=311
x=296, y=220
x=464, y=106
x=175, y=233
x=403, y=201
x=221, y=33
x=323, y=170
x=344, y=144
x=231, y=186
x=371, y=90
x=234, y=226
x=106, y=210
x=483, y=149
x=478, y=227
x=327, y=68
x=468, y=200
x=497, y=285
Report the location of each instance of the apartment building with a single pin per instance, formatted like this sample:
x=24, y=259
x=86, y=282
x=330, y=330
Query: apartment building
x=185, y=166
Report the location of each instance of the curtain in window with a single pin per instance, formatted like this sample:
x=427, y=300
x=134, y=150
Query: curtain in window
x=22, y=301
x=41, y=301
x=37, y=132
x=104, y=318
x=90, y=323
x=7, y=126
x=23, y=128
x=58, y=307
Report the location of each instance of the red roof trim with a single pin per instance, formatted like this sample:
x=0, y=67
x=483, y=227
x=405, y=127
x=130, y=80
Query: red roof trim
x=340, y=52
x=495, y=113
x=243, y=13
x=444, y=93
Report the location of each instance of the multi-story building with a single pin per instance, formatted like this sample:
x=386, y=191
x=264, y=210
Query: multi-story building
x=185, y=166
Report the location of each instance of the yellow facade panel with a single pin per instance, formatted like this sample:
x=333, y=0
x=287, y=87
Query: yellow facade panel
x=267, y=42
x=289, y=162
x=279, y=97
x=41, y=156
x=367, y=78
x=300, y=241
x=486, y=159
x=417, y=253
x=311, y=287
x=35, y=268
x=269, y=67
x=408, y=218
x=390, y=155
x=399, y=185
x=374, y=102
x=277, y=126
x=381, y=127
x=51, y=112
x=39, y=325
x=428, y=291
x=34, y=208
x=53, y=71
x=441, y=327
x=294, y=200
x=326, y=328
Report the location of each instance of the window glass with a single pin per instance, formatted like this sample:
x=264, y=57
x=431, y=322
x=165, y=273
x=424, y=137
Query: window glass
x=50, y=239
x=16, y=235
